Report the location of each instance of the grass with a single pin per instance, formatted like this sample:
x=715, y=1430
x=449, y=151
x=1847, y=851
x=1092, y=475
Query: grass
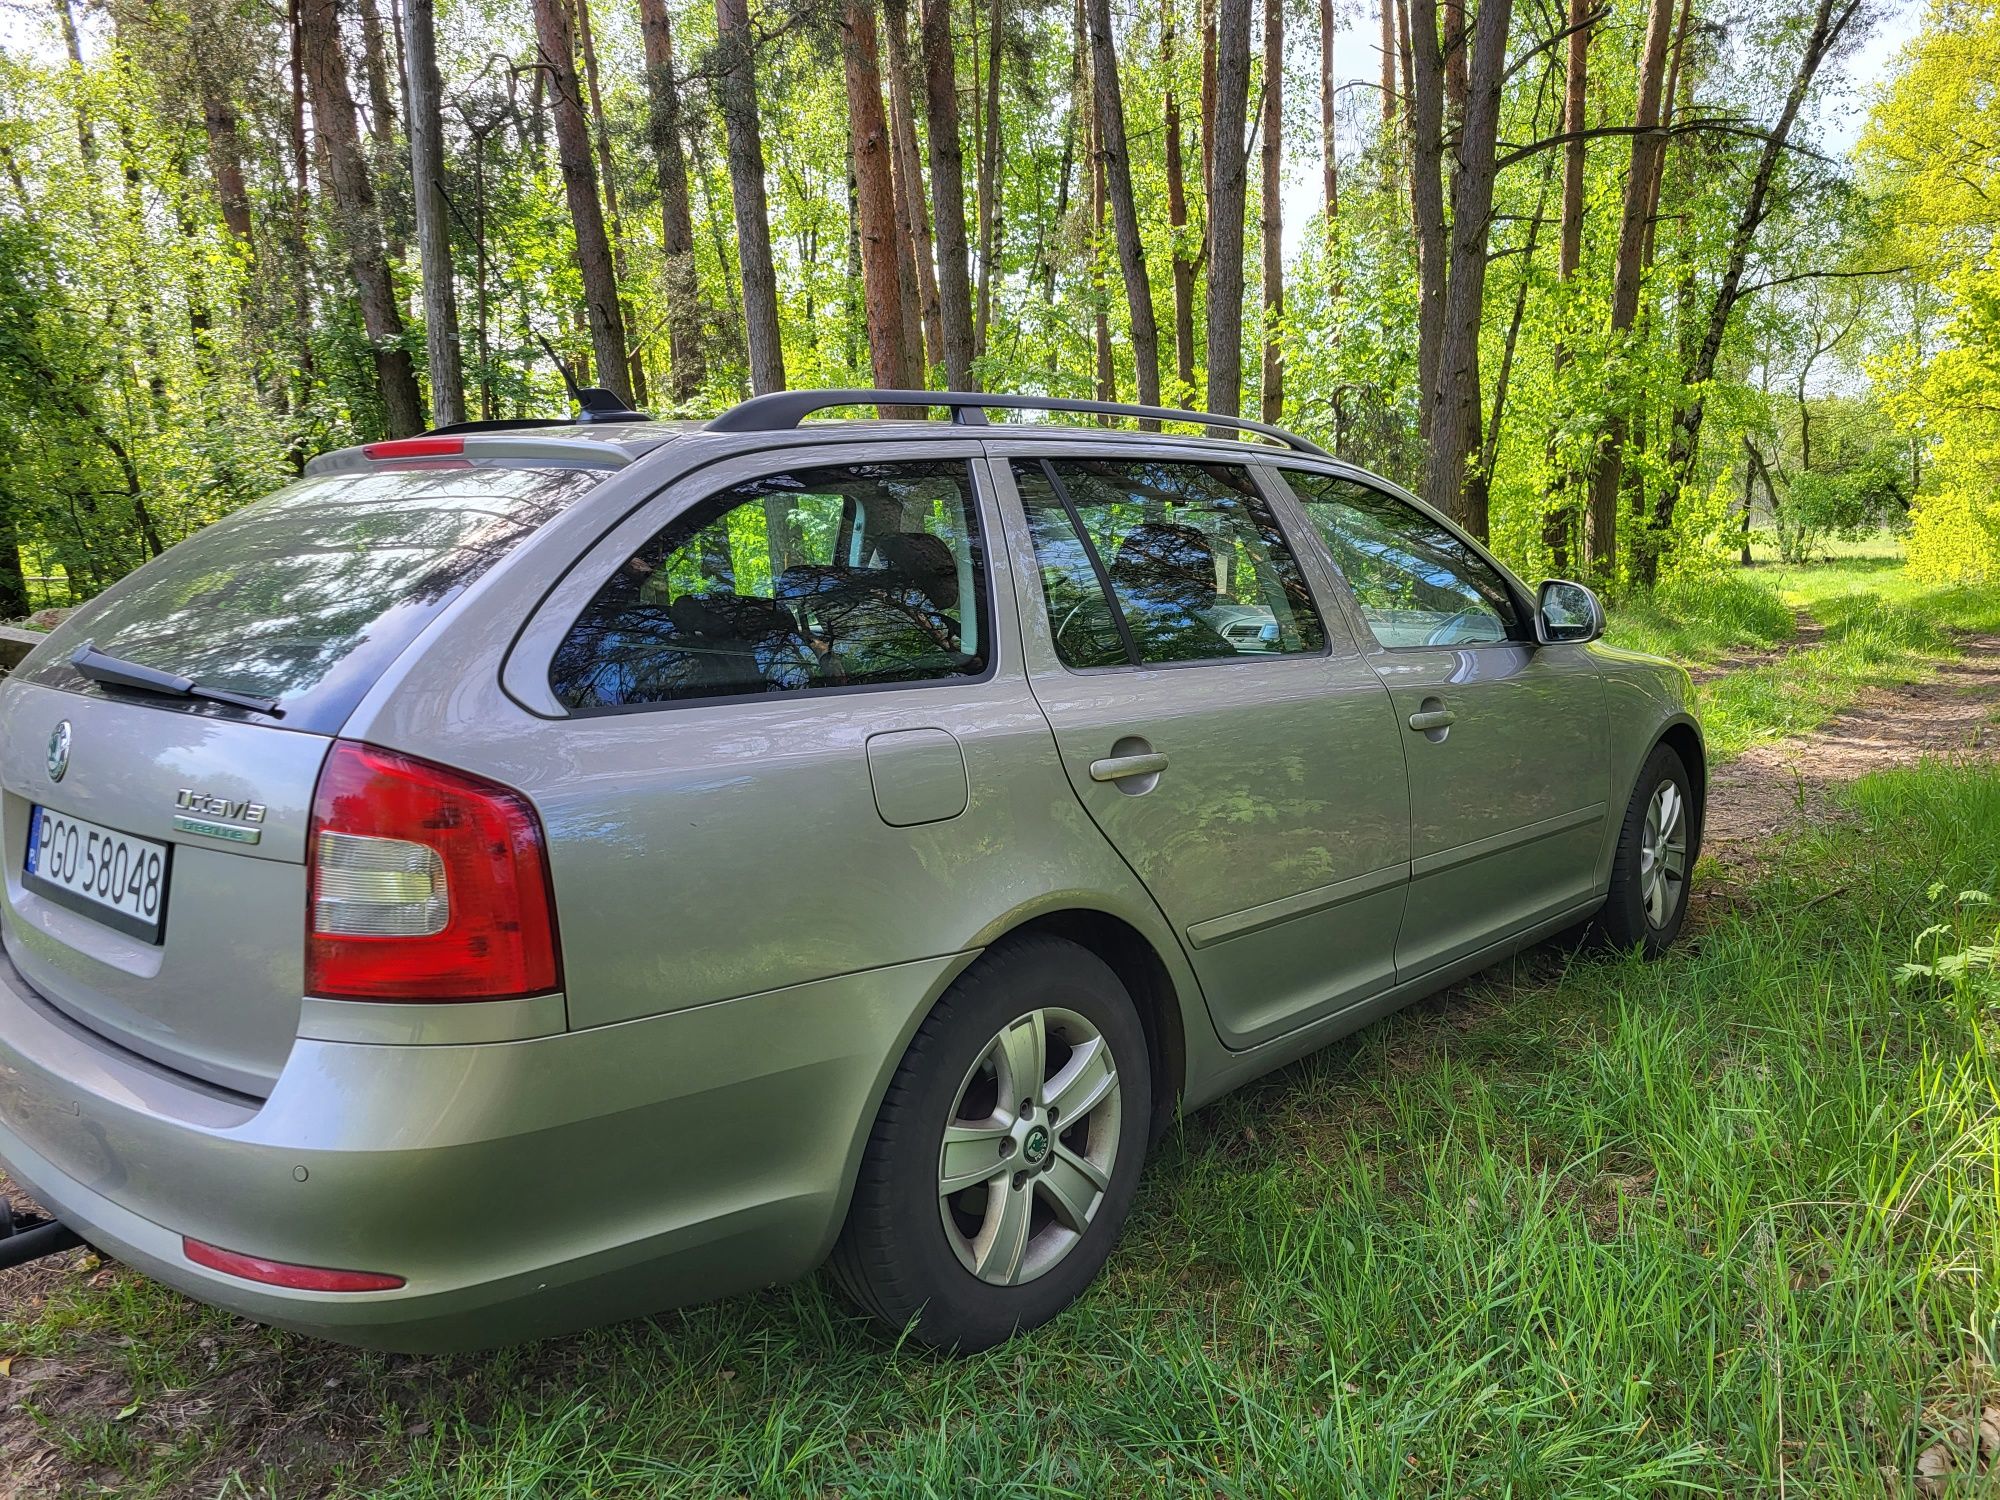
x=1718, y=1225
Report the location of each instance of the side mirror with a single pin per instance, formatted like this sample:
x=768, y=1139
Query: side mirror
x=1567, y=614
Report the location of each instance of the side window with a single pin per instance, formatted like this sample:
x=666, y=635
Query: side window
x=817, y=578
x=1417, y=584
x=1189, y=552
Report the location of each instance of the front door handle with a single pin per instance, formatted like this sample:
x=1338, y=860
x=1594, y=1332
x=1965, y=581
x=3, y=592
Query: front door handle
x=1432, y=718
x=1119, y=767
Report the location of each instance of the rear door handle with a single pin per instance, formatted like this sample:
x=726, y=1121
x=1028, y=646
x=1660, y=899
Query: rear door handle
x=1432, y=718
x=1118, y=767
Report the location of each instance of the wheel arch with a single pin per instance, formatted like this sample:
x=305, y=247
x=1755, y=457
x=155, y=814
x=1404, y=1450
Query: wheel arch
x=1139, y=967
x=1683, y=737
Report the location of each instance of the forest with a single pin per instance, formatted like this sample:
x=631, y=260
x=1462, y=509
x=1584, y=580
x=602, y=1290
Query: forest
x=1585, y=274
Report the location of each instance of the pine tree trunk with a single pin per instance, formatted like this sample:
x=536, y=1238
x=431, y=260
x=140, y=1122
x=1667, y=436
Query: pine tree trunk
x=736, y=92
x=1426, y=133
x=433, y=230
x=1273, y=236
x=1455, y=423
x=1626, y=271
x=382, y=127
x=634, y=355
x=688, y=362
x=875, y=205
x=1177, y=217
x=948, y=195
x=1389, y=50
x=602, y=314
x=910, y=180
x=1226, y=207
x=1110, y=107
x=324, y=64
x=1330, y=161
x=989, y=183
x=1558, y=518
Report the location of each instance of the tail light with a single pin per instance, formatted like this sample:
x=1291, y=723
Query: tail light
x=424, y=884
x=284, y=1273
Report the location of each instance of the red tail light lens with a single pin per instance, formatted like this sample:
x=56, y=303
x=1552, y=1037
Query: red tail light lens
x=416, y=447
x=284, y=1273
x=424, y=884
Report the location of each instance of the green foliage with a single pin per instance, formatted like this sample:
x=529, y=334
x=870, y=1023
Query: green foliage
x=1932, y=150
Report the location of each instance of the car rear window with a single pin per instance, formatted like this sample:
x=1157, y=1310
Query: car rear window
x=307, y=595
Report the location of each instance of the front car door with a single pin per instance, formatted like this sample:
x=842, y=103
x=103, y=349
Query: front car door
x=1506, y=739
x=1221, y=729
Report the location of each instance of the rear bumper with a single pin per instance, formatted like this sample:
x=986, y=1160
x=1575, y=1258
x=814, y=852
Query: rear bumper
x=521, y=1188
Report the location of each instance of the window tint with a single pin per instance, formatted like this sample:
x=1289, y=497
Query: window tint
x=309, y=594
x=1417, y=584
x=819, y=578
x=1191, y=552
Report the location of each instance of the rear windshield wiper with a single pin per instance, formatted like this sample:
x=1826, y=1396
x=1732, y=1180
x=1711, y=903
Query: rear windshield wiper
x=116, y=671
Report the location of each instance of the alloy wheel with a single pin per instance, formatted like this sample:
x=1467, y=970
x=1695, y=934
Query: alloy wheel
x=1663, y=853
x=1030, y=1146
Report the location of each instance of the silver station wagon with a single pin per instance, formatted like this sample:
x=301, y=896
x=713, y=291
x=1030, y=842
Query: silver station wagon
x=528, y=875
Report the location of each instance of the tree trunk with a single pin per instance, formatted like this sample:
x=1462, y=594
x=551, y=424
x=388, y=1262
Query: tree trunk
x=225, y=160
x=1426, y=130
x=1626, y=273
x=602, y=313
x=1208, y=103
x=1389, y=50
x=948, y=195
x=433, y=231
x=1330, y=161
x=910, y=180
x=354, y=218
x=989, y=183
x=736, y=92
x=634, y=354
x=1830, y=23
x=382, y=125
x=1110, y=106
x=1558, y=522
x=1177, y=217
x=1455, y=424
x=875, y=205
x=1273, y=234
x=14, y=602
x=688, y=362
x=1226, y=207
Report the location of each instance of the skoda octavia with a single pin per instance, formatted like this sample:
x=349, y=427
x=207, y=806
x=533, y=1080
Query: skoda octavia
x=524, y=876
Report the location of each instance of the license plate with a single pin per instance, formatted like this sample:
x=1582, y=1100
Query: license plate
x=116, y=878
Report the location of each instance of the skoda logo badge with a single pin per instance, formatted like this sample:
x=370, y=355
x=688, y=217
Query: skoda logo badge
x=59, y=750
x=1036, y=1146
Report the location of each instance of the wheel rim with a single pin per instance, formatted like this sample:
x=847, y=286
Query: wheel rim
x=1029, y=1147
x=1663, y=854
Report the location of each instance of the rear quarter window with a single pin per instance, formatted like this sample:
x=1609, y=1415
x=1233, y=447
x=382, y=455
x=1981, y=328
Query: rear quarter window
x=307, y=595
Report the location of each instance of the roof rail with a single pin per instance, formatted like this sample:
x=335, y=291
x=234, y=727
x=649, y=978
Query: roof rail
x=781, y=411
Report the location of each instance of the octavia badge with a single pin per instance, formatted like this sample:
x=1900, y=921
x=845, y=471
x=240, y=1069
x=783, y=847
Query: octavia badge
x=59, y=751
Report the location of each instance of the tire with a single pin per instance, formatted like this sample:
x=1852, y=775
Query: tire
x=1641, y=912
x=913, y=1256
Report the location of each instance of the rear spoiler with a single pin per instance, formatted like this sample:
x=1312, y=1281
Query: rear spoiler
x=468, y=450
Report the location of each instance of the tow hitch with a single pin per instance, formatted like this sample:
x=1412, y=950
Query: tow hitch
x=26, y=1237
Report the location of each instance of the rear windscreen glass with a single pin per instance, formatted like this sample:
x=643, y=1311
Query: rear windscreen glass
x=307, y=595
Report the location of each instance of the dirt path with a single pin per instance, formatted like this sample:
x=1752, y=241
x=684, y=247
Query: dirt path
x=1809, y=633
x=1770, y=785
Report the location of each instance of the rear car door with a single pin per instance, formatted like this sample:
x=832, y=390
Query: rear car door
x=1506, y=739
x=1224, y=733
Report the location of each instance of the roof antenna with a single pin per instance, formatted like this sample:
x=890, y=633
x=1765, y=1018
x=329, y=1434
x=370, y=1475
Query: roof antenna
x=593, y=402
